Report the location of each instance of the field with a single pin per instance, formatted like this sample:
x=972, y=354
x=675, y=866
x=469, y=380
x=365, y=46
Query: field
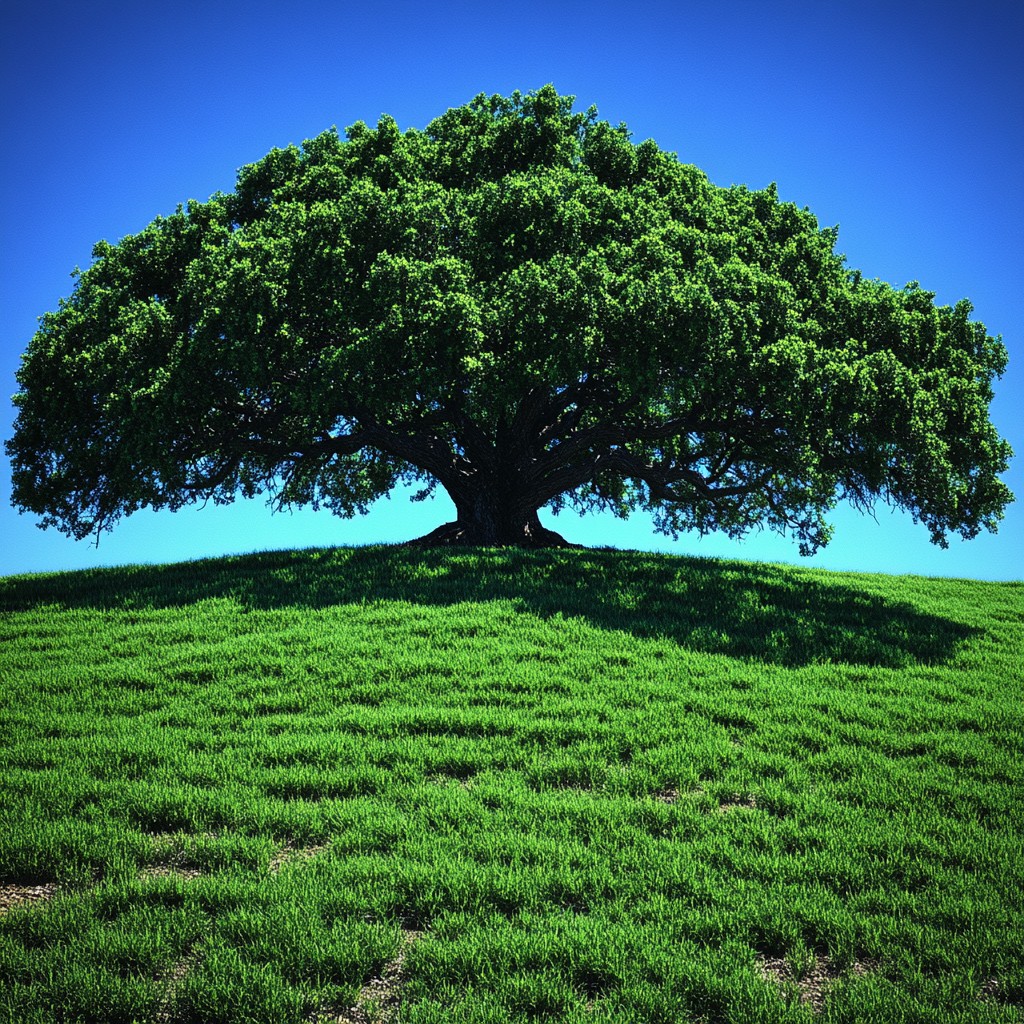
x=496, y=786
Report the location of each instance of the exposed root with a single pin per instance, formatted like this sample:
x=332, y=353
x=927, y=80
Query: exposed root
x=457, y=533
x=379, y=999
x=13, y=895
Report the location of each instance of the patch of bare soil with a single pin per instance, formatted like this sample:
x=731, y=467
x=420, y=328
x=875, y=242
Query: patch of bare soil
x=171, y=982
x=289, y=853
x=186, y=874
x=379, y=999
x=442, y=779
x=170, y=860
x=989, y=991
x=13, y=895
x=747, y=803
x=814, y=982
x=992, y=992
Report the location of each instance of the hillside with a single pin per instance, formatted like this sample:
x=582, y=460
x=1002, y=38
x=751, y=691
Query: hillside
x=380, y=784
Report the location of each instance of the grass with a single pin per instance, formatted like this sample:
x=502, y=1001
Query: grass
x=501, y=786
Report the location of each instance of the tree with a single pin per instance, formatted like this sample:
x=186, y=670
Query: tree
x=524, y=307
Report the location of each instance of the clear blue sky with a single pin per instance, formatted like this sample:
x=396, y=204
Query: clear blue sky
x=903, y=123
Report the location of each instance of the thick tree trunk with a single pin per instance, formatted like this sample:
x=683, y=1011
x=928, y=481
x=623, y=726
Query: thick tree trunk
x=488, y=521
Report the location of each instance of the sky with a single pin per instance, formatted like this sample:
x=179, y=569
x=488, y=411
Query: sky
x=902, y=123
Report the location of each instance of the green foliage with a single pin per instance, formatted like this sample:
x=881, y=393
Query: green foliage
x=518, y=303
x=256, y=780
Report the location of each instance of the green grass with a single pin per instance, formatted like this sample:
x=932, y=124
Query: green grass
x=566, y=786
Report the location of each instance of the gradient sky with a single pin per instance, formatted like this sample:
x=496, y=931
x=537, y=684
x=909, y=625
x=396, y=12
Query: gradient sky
x=903, y=123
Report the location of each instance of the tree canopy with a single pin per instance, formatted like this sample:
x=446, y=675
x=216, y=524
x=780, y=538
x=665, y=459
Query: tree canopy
x=520, y=305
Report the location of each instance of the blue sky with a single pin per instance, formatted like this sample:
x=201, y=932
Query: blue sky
x=903, y=123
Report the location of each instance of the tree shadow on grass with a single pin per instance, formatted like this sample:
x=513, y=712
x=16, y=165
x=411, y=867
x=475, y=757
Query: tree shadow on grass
x=765, y=612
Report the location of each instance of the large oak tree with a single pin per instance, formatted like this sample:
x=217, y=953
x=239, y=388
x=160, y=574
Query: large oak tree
x=524, y=307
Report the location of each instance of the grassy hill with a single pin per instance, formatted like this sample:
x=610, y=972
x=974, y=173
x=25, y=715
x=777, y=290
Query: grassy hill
x=489, y=786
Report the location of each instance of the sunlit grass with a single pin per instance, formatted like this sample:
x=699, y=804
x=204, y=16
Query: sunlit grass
x=510, y=786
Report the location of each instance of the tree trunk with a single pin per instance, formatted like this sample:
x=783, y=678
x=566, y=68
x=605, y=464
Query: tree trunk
x=488, y=520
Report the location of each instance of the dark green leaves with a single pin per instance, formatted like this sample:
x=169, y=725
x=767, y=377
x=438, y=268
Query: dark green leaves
x=522, y=305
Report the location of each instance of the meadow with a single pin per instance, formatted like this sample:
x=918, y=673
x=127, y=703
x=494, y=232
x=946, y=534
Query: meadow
x=394, y=785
